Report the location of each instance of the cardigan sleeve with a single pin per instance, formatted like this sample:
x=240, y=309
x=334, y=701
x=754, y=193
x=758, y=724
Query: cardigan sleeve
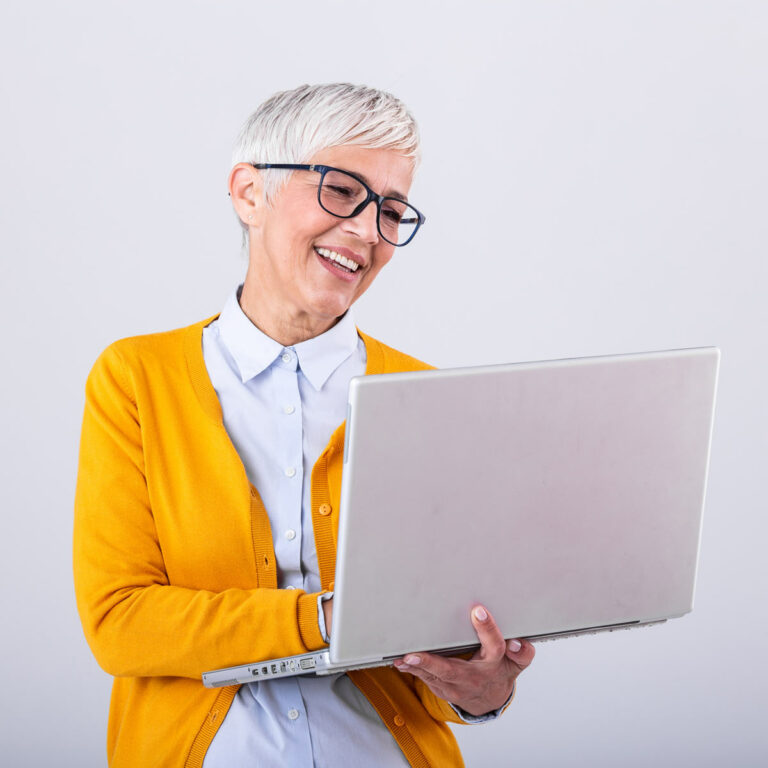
x=135, y=621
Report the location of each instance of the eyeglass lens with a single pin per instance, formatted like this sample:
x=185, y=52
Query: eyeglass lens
x=341, y=193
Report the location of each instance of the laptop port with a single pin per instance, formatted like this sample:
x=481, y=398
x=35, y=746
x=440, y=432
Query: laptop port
x=307, y=663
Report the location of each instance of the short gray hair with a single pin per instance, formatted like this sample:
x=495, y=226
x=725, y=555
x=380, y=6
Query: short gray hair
x=292, y=126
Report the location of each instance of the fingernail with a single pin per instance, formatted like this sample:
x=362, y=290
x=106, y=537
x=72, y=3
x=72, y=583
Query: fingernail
x=402, y=668
x=480, y=613
x=414, y=660
x=514, y=645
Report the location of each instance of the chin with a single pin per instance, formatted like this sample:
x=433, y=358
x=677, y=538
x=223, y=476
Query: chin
x=331, y=307
x=336, y=313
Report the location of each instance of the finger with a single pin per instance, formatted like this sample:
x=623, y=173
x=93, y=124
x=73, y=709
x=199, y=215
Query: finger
x=492, y=644
x=521, y=652
x=431, y=668
x=439, y=687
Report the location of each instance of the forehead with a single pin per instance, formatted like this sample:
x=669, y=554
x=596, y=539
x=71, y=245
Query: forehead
x=386, y=171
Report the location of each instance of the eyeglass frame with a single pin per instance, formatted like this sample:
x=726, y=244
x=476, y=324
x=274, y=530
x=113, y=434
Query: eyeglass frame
x=370, y=196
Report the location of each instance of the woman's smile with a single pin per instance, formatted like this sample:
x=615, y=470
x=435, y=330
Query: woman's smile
x=338, y=264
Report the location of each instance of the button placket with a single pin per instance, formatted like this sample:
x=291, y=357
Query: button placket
x=291, y=455
x=323, y=521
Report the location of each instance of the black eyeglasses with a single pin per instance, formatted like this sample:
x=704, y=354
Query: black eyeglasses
x=342, y=194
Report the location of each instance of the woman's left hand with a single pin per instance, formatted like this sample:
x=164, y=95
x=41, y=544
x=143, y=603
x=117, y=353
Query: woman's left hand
x=482, y=683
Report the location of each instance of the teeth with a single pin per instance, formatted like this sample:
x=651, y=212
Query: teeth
x=339, y=259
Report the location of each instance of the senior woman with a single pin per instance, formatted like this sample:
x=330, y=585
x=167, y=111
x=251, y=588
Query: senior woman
x=210, y=461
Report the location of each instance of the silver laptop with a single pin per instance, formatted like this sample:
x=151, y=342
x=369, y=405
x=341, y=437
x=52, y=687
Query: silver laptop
x=565, y=495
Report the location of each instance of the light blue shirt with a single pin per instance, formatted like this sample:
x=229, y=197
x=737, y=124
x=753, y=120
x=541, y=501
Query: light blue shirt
x=280, y=406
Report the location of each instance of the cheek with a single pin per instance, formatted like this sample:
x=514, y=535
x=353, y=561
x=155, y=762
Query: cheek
x=380, y=263
x=383, y=258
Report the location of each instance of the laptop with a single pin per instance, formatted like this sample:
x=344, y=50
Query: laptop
x=565, y=495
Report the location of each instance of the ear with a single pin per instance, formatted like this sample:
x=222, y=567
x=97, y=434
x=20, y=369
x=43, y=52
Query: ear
x=246, y=191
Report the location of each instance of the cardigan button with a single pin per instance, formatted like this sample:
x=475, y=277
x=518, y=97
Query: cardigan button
x=324, y=509
x=399, y=720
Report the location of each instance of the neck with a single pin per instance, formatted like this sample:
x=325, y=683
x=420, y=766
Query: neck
x=278, y=321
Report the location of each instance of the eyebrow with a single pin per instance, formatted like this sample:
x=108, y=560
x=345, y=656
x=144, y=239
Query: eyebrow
x=391, y=193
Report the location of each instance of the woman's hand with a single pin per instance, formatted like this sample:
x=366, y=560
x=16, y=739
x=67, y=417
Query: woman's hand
x=484, y=682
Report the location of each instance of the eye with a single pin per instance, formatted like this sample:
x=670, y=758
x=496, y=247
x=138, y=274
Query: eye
x=339, y=190
x=392, y=215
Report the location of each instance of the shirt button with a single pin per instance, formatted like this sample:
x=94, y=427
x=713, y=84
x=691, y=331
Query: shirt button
x=286, y=358
x=399, y=720
x=324, y=509
x=293, y=714
x=290, y=534
x=290, y=586
x=290, y=472
x=289, y=409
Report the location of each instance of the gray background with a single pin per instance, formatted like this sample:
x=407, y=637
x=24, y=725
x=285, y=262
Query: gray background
x=595, y=177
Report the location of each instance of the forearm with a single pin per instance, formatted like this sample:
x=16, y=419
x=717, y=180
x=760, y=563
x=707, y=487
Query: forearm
x=169, y=630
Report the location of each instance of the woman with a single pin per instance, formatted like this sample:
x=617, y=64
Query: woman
x=210, y=466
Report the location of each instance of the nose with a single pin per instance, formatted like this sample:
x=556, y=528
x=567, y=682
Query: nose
x=364, y=224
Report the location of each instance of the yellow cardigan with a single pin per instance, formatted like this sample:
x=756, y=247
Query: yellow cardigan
x=174, y=565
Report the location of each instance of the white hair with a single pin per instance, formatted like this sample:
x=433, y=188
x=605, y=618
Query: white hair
x=293, y=126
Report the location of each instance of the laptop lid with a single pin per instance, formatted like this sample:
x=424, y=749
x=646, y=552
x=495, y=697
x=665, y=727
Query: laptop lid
x=563, y=495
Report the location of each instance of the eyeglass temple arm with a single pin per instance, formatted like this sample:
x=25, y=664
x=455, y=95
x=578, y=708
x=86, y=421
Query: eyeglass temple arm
x=288, y=166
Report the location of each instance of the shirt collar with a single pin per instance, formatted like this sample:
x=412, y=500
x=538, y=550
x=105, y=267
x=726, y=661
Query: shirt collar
x=253, y=351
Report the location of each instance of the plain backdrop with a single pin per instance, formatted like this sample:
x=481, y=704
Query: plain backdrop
x=595, y=179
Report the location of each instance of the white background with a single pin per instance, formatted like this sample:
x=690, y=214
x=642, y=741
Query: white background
x=595, y=178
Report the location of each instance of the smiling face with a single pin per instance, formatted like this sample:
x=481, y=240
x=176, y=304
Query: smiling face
x=295, y=288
